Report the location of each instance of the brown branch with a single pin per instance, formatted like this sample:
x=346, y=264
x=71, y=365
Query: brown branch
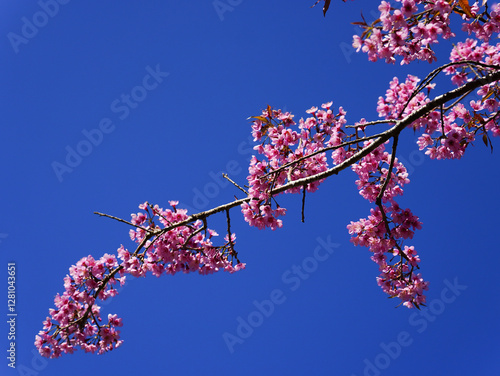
x=303, y=202
x=122, y=220
x=428, y=79
x=323, y=150
x=236, y=185
x=379, y=140
x=370, y=123
x=389, y=172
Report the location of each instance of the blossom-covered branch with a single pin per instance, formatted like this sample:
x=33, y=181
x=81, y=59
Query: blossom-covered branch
x=291, y=157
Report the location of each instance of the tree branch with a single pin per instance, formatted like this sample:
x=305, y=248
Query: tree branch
x=379, y=140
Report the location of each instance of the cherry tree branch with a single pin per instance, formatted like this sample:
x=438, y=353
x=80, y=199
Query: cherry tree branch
x=121, y=220
x=380, y=139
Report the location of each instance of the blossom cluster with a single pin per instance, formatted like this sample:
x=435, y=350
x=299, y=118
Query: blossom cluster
x=381, y=178
x=170, y=241
x=397, y=279
x=76, y=320
x=446, y=133
x=410, y=30
x=163, y=248
x=284, y=146
x=290, y=154
x=387, y=227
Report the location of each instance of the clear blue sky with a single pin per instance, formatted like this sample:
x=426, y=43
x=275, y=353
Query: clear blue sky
x=172, y=142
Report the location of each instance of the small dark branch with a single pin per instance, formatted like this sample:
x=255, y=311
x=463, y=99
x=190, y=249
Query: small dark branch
x=319, y=151
x=143, y=242
x=228, y=220
x=155, y=238
x=205, y=226
x=236, y=185
x=231, y=244
x=380, y=195
x=389, y=172
x=438, y=70
x=105, y=281
x=388, y=229
x=272, y=185
x=96, y=321
x=454, y=103
x=303, y=202
x=156, y=212
x=442, y=122
x=378, y=202
x=123, y=221
x=427, y=80
x=325, y=7
x=371, y=123
x=379, y=140
x=193, y=234
x=461, y=12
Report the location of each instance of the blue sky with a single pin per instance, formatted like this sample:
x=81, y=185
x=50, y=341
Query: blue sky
x=70, y=80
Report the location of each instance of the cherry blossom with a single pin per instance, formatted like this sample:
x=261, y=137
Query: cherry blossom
x=296, y=156
x=76, y=321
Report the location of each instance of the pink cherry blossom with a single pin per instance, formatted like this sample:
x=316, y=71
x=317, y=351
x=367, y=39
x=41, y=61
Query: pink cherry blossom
x=169, y=241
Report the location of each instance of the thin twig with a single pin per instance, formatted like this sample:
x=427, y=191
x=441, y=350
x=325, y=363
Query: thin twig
x=428, y=79
x=371, y=123
x=379, y=140
x=230, y=239
x=303, y=201
x=123, y=221
x=442, y=123
x=389, y=172
x=192, y=235
x=236, y=185
x=319, y=151
x=156, y=212
x=380, y=195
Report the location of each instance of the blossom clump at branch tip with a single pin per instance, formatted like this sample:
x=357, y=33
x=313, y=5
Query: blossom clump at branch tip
x=293, y=151
x=295, y=156
x=76, y=321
